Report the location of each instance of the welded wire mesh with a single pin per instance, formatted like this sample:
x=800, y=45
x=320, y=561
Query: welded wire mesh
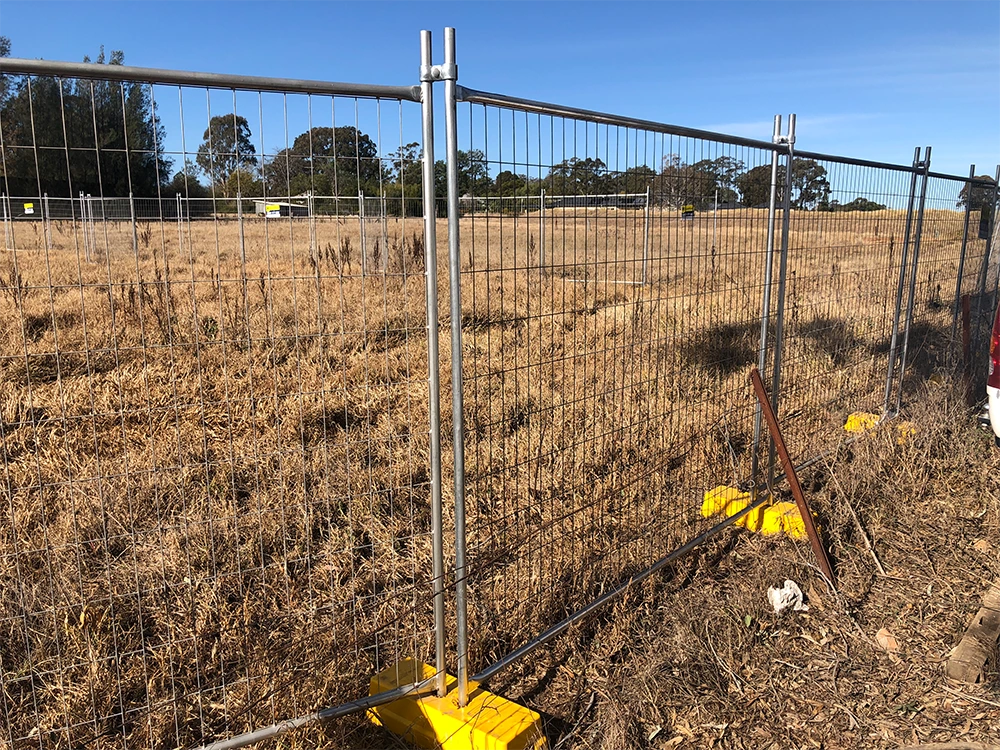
x=847, y=232
x=954, y=262
x=214, y=424
x=598, y=412
x=937, y=278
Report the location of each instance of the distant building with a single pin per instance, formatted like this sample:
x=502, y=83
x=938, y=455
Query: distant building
x=274, y=209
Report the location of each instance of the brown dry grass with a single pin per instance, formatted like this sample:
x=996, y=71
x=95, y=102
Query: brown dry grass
x=697, y=659
x=216, y=510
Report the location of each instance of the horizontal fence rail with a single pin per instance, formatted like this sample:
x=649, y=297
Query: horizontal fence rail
x=223, y=451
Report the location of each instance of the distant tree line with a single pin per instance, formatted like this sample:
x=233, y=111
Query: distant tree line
x=63, y=136
x=105, y=138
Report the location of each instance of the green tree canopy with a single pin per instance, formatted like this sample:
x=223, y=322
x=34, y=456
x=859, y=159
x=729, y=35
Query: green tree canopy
x=981, y=193
x=810, y=188
x=679, y=184
x=754, y=186
x=186, y=183
x=226, y=146
x=858, y=204
x=55, y=121
x=577, y=176
x=508, y=183
x=329, y=161
x=4, y=52
x=634, y=179
x=406, y=165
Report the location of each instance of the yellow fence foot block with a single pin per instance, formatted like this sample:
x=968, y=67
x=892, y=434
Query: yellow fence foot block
x=776, y=518
x=488, y=722
x=861, y=421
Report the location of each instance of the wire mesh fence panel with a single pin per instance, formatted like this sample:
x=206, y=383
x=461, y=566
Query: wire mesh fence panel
x=972, y=273
x=847, y=232
x=597, y=413
x=214, y=431
x=942, y=258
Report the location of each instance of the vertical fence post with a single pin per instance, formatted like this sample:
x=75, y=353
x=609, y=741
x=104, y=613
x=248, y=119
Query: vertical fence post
x=311, y=208
x=926, y=165
x=901, y=282
x=384, y=258
x=46, y=222
x=961, y=255
x=645, y=240
x=449, y=73
x=765, y=313
x=541, y=232
x=361, y=233
x=779, y=320
x=89, y=234
x=83, y=227
x=5, y=204
x=239, y=222
x=180, y=226
x=135, y=232
x=433, y=377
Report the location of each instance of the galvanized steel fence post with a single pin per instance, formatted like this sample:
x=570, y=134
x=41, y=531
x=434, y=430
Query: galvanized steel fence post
x=46, y=221
x=645, y=238
x=449, y=74
x=779, y=323
x=8, y=229
x=961, y=256
x=135, y=230
x=180, y=225
x=925, y=166
x=541, y=231
x=900, y=284
x=433, y=379
x=765, y=313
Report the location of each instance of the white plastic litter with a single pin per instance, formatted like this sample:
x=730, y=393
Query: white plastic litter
x=789, y=595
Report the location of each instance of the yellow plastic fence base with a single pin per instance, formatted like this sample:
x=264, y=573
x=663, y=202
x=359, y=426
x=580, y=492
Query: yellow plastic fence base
x=776, y=518
x=488, y=722
x=861, y=421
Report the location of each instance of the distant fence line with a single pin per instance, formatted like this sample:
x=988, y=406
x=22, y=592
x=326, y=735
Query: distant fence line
x=224, y=450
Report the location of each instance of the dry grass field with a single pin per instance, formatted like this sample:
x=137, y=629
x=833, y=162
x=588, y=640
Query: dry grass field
x=216, y=488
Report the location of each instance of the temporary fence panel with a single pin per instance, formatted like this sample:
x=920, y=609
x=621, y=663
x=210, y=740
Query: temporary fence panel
x=850, y=249
x=216, y=444
x=597, y=414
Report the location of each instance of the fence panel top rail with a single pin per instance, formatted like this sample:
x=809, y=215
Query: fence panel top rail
x=473, y=96
x=96, y=71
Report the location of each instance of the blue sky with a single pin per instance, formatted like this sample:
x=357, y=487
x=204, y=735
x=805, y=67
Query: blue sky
x=870, y=79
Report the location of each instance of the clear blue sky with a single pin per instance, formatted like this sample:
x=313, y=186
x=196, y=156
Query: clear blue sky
x=867, y=79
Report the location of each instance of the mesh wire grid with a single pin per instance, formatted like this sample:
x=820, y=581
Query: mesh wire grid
x=215, y=424
x=606, y=352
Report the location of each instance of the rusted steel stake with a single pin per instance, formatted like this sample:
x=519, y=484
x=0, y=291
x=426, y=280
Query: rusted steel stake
x=791, y=476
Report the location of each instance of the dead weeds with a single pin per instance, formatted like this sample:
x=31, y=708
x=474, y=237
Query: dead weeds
x=699, y=660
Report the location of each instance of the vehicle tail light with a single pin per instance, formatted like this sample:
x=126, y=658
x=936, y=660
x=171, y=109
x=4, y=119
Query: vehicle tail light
x=993, y=380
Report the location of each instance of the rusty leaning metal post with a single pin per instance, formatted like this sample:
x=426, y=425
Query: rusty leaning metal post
x=791, y=476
